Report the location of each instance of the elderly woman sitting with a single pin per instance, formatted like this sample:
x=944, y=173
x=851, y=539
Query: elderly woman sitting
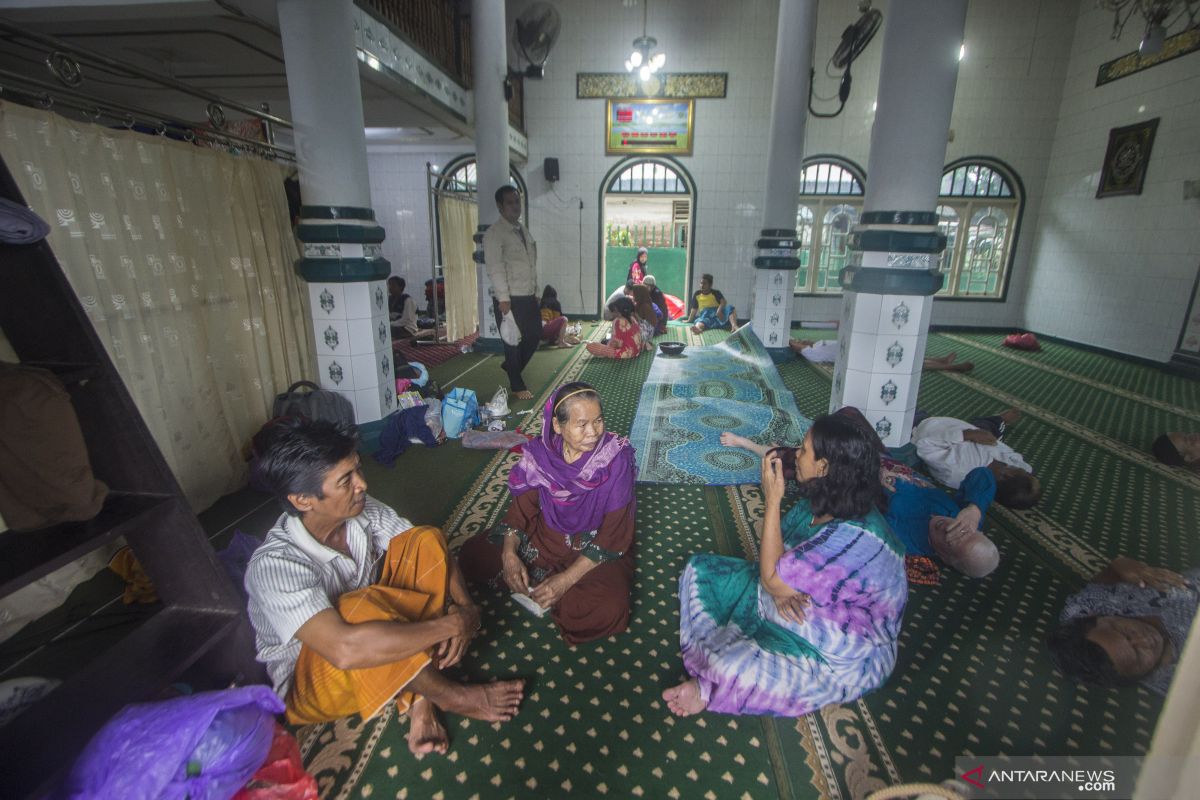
x=815, y=621
x=567, y=539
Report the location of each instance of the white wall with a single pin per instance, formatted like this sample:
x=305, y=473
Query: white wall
x=401, y=205
x=1005, y=107
x=1117, y=272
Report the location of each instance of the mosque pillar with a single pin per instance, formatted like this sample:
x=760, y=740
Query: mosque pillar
x=489, y=64
x=775, y=259
x=342, y=258
x=892, y=272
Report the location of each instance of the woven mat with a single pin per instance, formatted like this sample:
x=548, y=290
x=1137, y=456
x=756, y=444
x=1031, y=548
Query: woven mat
x=687, y=401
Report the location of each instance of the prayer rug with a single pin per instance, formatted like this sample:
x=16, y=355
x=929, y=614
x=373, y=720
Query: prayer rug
x=687, y=401
x=431, y=354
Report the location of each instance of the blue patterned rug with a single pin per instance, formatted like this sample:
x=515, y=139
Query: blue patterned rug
x=688, y=400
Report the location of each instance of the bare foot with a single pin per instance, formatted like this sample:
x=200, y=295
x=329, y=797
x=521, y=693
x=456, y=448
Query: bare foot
x=731, y=439
x=696, y=329
x=799, y=344
x=490, y=702
x=524, y=394
x=1010, y=416
x=949, y=358
x=962, y=366
x=684, y=700
x=425, y=732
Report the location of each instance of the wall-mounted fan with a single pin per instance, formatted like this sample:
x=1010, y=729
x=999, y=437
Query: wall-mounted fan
x=534, y=34
x=855, y=39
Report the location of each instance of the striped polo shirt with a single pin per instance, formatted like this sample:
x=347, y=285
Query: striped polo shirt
x=292, y=577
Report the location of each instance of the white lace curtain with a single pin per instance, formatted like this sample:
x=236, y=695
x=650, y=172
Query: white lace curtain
x=183, y=259
x=457, y=220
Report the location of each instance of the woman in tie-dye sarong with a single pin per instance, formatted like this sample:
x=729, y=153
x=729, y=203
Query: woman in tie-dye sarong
x=815, y=621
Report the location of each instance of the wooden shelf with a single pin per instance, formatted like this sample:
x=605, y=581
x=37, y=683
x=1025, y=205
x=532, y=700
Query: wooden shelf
x=45, y=740
x=26, y=556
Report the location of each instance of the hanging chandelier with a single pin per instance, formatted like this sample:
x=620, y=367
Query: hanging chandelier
x=644, y=59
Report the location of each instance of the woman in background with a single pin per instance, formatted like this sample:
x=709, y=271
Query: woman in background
x=626, y=340
x=554, y=324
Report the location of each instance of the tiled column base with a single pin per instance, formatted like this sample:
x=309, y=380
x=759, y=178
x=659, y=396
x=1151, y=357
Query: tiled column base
x=881, y=345
x=775, y=263
x=489, y=332
x=771, y=316
x=354, y=345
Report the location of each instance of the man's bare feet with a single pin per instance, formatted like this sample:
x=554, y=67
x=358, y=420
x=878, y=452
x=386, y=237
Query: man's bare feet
x=490, y=702
x=799, y=344
x=1010, y=416
x=425, y=732
x=962, y=366
x=696, y=329
x=524, y=394
x=684, y=700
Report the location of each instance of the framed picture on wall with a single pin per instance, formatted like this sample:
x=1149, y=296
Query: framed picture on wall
x=1125, y=161
x=662, y=126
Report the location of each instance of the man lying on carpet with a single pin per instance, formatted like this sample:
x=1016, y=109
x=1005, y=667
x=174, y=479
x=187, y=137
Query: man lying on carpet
x=952, y=448
x=567, y=539
x=1127, y=626
x=815, y=621
x=351, y=605
x=824, y=351
x=1178, y=449
x=925, y=519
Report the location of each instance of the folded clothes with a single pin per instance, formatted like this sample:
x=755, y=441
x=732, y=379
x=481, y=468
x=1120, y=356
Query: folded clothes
x=19, y=225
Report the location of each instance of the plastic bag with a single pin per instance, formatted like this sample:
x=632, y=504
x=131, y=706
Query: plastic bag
x=510, y=334
x=1022, y=341
x=282, y=777
x=203, y=747
x=460, y=411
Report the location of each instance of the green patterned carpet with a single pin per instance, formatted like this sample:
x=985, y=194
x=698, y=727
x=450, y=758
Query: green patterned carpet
x=972, y=676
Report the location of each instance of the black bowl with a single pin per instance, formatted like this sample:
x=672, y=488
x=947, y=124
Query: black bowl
x=671, y=348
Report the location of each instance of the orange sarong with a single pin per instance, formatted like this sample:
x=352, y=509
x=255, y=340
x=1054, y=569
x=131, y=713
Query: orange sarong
x=411, y=588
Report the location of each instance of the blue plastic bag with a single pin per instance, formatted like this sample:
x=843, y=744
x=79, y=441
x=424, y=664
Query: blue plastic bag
x=460, y=411
x=200, y=747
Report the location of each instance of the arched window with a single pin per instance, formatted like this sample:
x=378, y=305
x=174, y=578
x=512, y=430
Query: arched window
x=831, y=191
x=979, y=208
x=648, y=177
x=460, y=177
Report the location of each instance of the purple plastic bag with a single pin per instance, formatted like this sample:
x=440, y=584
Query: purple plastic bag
x=203, y=747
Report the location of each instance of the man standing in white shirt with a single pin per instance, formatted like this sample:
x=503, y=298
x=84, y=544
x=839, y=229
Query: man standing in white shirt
x=352, y=606
x=951, y=448
x=510, y=257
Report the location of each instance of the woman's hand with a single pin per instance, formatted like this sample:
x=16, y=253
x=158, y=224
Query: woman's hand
x=1129, y=570
x=965, y=522
x=793, y=606
x=514, y=572
x=551, y=590
x=773, y=483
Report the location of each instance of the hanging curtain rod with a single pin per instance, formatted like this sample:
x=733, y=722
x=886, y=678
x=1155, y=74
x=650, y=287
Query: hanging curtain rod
x=47, y=96
x=69, y=73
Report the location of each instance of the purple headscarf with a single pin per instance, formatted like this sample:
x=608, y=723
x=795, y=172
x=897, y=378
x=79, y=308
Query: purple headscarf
x=574, y=498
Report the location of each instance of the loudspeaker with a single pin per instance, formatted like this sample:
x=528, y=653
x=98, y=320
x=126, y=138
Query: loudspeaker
x=550, y=165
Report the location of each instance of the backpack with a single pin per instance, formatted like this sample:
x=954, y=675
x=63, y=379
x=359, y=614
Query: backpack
x=460, y=411
x=316, y=403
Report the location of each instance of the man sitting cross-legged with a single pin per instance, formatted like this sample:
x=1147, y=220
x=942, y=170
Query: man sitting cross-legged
x=352, y=606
